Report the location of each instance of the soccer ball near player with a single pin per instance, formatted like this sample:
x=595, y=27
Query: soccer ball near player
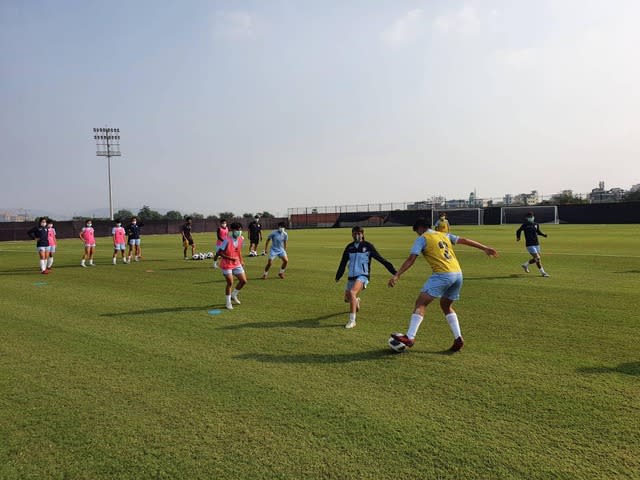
x=395, y=345
x=196, y=256
x=209, y=254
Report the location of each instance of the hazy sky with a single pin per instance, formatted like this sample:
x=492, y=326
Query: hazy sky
x=264, y=105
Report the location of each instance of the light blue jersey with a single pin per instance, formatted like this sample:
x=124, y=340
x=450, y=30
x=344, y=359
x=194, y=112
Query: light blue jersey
x=277, y=243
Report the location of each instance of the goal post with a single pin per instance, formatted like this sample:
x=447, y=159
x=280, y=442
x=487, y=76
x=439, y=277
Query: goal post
x=459, y=216
x=542, y=214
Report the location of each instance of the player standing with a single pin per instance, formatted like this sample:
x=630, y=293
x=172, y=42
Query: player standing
x=442, y=224
x=119, y=242
x=358, y=254
x=278, y=239
x=444, y=283
x=187, y=239
x=531, y=231
x=255, y=236
x=53, y=242
x=87, y=235
x=133, y=231
x=41, y=235
x=231, y=263
x=221, y=235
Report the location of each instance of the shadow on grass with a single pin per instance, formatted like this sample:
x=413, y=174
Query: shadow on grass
x=513, y=275
x=152, y=311
x=629, y=271
x=319, y=357
x=631, y=368
x=314, y=322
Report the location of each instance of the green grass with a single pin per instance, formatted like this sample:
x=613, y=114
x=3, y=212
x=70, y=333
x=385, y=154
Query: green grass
x=121, y=372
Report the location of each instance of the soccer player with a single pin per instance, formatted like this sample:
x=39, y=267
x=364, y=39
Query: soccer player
x=133, y=232
x=444, y=283
x=41, y=235
x=442, y=224
x=358, y=254
x=278, y=239
x=531, y=231
x=87, y=235
x=221, y=233
x=255, y=236
x=119, y=243
x=187, y=239
x=52, y=243
x=231, y=263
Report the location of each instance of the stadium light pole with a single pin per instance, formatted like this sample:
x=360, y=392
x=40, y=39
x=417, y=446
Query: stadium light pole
x=108, y=145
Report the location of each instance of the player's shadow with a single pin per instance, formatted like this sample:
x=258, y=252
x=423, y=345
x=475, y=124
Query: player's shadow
x=631, y=368
x=314, y=322
x=629, y=271
x=151, y=311
x=327, y=358
x=502, y=277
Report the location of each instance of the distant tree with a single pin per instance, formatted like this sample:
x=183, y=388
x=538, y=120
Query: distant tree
x=565, y=199
x=266, y=214
x=195, y=216
x=146, y=213
x=212, y=217
x=227, y=215
x=632, y=196
x=173, y=215
x=247, y=215
x=123, y=214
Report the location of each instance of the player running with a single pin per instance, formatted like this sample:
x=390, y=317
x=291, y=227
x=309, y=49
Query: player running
x=531, y=231
x=445, y=282
x=358, y=254
x=278, y=239
x=231, y=263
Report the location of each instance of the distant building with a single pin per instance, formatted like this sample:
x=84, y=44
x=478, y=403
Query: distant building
x=602, y=195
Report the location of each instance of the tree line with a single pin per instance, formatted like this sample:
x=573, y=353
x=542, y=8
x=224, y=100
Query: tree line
x=147, y=213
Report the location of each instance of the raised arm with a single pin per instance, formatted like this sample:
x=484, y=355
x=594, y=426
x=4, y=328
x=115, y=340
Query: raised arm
x=472, y=243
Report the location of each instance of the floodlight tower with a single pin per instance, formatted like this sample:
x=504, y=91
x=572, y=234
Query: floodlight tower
x=107, y=145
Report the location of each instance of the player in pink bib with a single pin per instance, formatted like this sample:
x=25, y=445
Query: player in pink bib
x=88, y=237
x=119, y=242
x=222, y=234
x=52, y=243
x=231, y=263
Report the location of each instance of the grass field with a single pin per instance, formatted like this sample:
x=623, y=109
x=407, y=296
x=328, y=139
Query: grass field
x=122, y=372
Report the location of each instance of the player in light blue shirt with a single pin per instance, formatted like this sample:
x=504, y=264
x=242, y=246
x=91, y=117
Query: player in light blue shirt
x=278, y=239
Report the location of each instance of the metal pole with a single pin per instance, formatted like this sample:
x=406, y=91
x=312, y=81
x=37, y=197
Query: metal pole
x=110, y=190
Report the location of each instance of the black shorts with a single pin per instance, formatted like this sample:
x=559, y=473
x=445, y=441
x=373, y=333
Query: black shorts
x=255, y=239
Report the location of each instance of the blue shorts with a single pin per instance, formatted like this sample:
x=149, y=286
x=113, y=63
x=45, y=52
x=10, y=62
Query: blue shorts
x=534, y=249
x=277, y=253
x=445, y=285
x=233, y=271
x=134, y=241
x=119, y=246
x=51, y=249
x=361, y=278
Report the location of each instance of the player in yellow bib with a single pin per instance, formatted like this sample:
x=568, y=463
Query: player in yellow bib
x=442, y=224
x=444, y=283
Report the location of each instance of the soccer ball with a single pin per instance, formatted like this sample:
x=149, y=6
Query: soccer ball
x=196, y=256
x=395, y=345
x=202, y=256
x=209, y=254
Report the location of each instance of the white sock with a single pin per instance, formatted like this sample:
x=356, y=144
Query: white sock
x=265, y=273
x=82, y=262
x=282, y=270
x=452, y=320
x=49, y=262
x=352, y=317
x=43, y=265
x=235, y=292
x=113, y=260
x=525, y=264
x=228, y=297
x=414, y=324
x=91, y=261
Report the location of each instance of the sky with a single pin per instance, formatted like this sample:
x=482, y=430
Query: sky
x=247, y=106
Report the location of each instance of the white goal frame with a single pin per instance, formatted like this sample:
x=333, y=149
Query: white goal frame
x=478, y=213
